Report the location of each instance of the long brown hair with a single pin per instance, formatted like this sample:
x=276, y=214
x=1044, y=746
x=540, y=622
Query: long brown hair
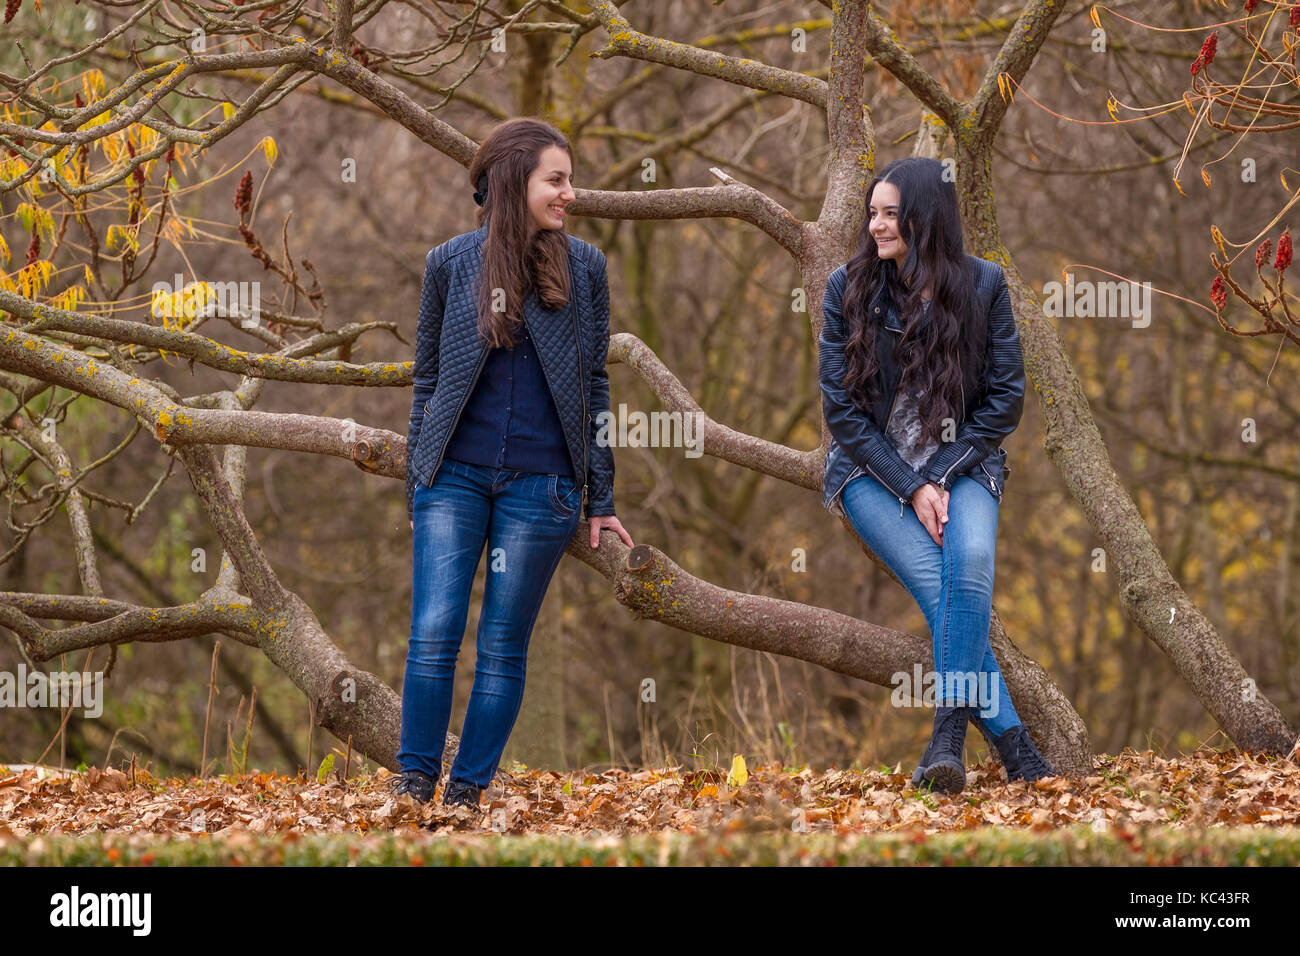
x=517, y=256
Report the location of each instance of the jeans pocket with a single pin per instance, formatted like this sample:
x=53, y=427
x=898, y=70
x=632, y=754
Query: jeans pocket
x=562, y=490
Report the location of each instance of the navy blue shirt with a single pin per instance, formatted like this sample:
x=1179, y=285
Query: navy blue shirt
x=510, y=419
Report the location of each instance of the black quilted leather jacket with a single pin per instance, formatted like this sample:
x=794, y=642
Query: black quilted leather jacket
x=991, y=411
x=572, y=344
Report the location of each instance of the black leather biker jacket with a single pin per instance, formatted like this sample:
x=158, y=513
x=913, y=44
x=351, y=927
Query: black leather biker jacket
x=991, y=411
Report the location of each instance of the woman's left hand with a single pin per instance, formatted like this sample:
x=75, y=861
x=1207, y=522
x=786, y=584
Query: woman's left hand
x=613, y=524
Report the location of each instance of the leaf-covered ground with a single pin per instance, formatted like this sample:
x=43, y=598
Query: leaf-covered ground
x=1131, y=797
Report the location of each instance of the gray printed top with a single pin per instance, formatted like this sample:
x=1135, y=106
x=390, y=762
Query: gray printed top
x=904, y=427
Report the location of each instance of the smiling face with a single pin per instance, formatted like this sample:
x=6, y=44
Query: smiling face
x=882, y=209
x=550, y=188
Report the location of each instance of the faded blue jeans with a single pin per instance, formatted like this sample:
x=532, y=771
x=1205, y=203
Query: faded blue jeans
x=526, y=520
x=952, y=585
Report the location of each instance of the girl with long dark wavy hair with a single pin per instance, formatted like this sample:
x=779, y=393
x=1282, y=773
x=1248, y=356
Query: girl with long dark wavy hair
x=501, y=446
x=922, y=379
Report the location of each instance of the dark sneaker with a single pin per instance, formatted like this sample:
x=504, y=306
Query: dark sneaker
x=941, y=765
x=418, y=784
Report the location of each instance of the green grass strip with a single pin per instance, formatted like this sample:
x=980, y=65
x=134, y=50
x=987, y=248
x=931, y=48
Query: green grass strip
x=1077, y=846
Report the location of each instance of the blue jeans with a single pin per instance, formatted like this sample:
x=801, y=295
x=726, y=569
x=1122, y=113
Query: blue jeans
x=526, y=519
x=952, y=585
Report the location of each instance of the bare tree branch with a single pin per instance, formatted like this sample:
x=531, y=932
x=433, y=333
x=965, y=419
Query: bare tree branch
x=625, y=41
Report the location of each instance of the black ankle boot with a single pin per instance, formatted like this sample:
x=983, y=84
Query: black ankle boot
x=418, y=784
x=942, y=765
x=458, y=793
x=1019, y=755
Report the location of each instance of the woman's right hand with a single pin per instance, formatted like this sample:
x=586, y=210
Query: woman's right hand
x=930, y=503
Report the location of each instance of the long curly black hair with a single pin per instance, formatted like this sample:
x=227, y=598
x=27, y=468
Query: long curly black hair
x=938, y=352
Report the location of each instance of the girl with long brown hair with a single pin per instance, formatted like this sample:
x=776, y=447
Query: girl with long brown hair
x=501, y=446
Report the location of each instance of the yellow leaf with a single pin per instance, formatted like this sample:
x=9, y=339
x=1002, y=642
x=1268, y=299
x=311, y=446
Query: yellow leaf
x=1218, y=240
x=738, y=774
x=92, y=83
x=1284, y=185
x=68, y=299
x=35, y=278
x=1179, y=188
x=114, y=146
x=1110, y=108
x=1095, y=17
x=269, y=148
x=1205, y=178
x=228, y=109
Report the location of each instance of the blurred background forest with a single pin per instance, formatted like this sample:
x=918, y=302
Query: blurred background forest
x=712, y=298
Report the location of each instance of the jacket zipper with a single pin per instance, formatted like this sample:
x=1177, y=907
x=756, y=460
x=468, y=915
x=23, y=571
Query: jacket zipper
x=463, y=402
x=992, y=481
x=944, y=480
x=857, y=469
x=577, y=338
x=578, y=341
x=551, y=389
x=902, y=502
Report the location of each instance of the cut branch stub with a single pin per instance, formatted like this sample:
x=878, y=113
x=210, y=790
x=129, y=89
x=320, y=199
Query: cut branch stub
x=640, y=557
x=365, y=454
